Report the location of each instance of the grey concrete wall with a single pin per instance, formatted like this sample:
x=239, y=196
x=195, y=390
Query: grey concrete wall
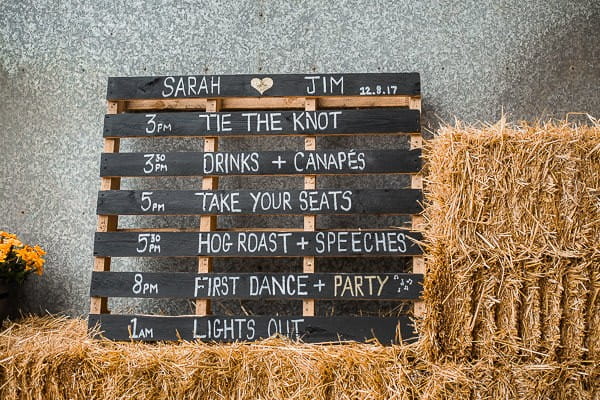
x=532, y=59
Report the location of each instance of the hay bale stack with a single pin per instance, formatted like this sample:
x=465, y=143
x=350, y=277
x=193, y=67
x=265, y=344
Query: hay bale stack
x=512, y=300
x=513, y=243
x=54, y=358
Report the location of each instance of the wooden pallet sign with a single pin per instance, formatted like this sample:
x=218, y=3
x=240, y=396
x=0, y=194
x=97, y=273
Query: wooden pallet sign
x=245, y=328
x=259, y=202
x=214, y=108
x=253, y=123
x=341, y=162
x=256, y=244
x=288, y=85
x=248, y=286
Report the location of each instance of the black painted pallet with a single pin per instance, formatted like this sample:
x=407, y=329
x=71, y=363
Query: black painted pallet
x=327, y=286
x=396, y=242
x=323, y=162
x=260, y=202
x=263, y=85
x=251, y=328
x=252, y=123
x=213, y=106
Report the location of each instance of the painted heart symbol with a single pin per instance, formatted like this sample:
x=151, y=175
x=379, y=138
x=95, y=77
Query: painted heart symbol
x=261, y=85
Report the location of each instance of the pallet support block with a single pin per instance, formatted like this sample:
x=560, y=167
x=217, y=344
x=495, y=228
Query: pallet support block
x=418, y=267
x=310, y=221
x=208, y=223
x=107, y=223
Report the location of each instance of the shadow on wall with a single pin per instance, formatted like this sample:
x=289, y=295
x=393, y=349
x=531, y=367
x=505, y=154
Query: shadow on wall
x=558, y=66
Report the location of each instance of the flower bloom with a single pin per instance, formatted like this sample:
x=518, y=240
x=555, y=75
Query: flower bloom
x=18, y=260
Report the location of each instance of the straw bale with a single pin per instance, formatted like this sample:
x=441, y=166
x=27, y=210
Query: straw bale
x=574, y=319
x=593, y=315
x=448, y=294
x=484, y=314
x=511, y=283
x=551, y=307
x=54, y=358
x=447, y=381
x=512, y=240
x=512, y=297
x=534, y=381
x=492, y=381
x=530, y=318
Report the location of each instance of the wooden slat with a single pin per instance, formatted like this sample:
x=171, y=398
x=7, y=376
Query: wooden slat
x=396, y=242
x=208, y=223
x=377, y=121
x=320, y=162
x=107, y=223
x=260, y=202
x=273, y=85
x=250, y=328
x=258, y=286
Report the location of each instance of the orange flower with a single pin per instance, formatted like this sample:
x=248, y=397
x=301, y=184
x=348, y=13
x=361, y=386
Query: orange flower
x=30, y=255
x=23, y=253
x=4, y=249
x=28, y=258
x=39, y=269
x=39, y=250
x=9, y=238
x=7, y=235
x=14, y=242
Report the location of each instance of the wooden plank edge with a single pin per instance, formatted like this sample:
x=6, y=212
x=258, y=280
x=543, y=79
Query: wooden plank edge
x=263, y=103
